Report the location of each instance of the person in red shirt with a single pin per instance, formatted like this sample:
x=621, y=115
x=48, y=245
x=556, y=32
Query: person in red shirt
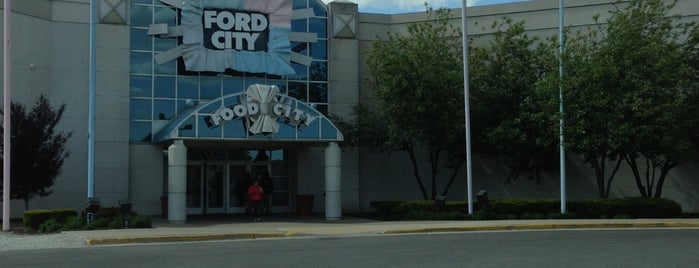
x=255, y=192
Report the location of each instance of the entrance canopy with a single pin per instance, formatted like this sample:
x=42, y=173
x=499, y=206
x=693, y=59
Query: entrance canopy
x=260, y=113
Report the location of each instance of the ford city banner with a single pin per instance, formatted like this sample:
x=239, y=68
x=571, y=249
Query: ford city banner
x=243, y=35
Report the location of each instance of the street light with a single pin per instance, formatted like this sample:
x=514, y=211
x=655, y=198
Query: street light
x=467, y=116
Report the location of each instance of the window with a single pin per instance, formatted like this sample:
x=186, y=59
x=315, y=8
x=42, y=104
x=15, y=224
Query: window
x=159, y=92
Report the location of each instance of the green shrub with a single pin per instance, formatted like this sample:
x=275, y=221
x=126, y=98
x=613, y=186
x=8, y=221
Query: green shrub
x=107, y=213
x=62, y=215
x=560, y=215
x=506, y=216
x=518, y=208
x=532, y=216
x=139, y=222
x=638, y=207
x=50, y=226
x=33, y=218
x=74, y=223
x=100, y=223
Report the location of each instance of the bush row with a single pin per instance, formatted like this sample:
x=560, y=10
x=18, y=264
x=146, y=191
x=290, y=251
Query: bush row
x=51, y=221
x=34, y=218
x=515, y=208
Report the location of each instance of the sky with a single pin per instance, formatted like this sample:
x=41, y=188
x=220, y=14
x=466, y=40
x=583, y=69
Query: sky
x=404, y=6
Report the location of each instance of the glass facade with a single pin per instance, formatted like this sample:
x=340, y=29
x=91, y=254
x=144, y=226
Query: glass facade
x=160, y=92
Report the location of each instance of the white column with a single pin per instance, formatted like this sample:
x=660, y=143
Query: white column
x=177, y=182
x=333, y=182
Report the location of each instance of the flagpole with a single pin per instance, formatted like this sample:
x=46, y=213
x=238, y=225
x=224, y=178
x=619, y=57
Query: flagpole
x=561, y=49
x=6, y=156
x=467, y=116
x=91, y=112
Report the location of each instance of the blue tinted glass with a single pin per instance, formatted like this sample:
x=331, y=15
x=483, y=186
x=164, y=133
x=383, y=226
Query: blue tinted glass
x=278, y=155
x=319, y=8
x=141, y=16
x=319, y=50
x=186, y=129
x=141, y=1
x=210, y=88
x=298, y=91
x=140, y=109
x=281, y=84
x=183, y=105
x=298, y=4
x=141, y=62
x=165, y=15
x=165, y=44
x=205, y=131
x=232, y=85
x=234, y=129
x=319, y=26
x=328, y=132
x=299, y=26
x=319, y=71
x=318, y=93
x=301, y=72
x=286, y=131
x=164, y=109
x=211, y=107
x=164, y=87
x=232, y=101
x=252, y=81
x=140, y=86
x=311, y=131
x=301, y=48
x=187, y=88
x=139, y=131
x=140, y=40
x=166, y=68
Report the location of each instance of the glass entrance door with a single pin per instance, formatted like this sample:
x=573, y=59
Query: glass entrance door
x=215, y=188
x=219, y=185
x=195, y=197
x=238, y=183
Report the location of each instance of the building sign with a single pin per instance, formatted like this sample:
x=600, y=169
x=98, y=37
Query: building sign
x=243, y=31
x=263, y=107
x=244, y=35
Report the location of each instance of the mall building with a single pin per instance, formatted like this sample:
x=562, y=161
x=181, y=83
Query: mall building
x=193, y=99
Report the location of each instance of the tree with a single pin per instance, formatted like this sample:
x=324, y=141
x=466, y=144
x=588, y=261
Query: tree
x=38, y=149
x=516, y=117
x=625, y=95
x=419, y=98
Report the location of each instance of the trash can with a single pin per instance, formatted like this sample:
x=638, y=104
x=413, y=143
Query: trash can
x=163, y=206
x=304, y=205
x=440, y=203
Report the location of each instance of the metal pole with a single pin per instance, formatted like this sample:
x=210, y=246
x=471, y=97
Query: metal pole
x=91, y=112
x=6, y=156
x=469, y=178
x=561, y=49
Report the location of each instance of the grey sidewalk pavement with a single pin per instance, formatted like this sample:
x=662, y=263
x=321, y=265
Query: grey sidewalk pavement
x=222, y=228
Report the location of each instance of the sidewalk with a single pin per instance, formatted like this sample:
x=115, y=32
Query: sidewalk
x=222, y=228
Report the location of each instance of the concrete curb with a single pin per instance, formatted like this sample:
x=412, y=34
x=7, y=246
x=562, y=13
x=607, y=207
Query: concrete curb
x=546, y=226
x=185, y=238
x=395, y=230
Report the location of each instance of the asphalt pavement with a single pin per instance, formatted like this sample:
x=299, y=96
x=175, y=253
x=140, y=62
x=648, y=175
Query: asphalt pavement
x=239, y=227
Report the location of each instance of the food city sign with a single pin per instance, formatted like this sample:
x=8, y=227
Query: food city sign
x=263, y=107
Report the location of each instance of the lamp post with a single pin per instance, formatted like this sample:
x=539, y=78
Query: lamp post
x=561, y=49
x=467, y=116
x=91, y=111
x=7, y=65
